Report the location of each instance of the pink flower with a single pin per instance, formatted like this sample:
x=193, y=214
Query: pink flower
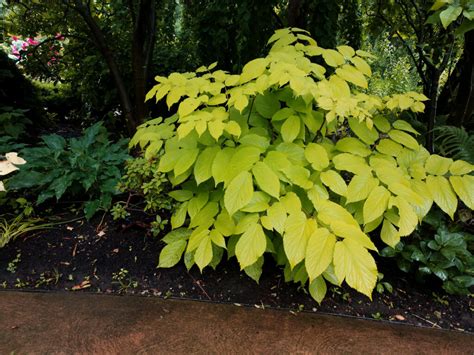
x=59, y=36
x=32, y=41
x=14, y=38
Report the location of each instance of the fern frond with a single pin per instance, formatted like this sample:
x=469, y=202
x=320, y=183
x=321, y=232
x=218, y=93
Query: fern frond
x=454, y=142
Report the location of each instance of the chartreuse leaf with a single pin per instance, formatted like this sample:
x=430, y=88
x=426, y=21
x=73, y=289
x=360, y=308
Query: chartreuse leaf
x=360, y=187
x=253, y=69
x=352, y=75
x=266, y=179
x=389, y=234
x=437, y=165
x=171, y=254
x=329, y=211
x=354, y=146
x=334, y=181
x=291, y=128
x=460, y=167
x=251, y=245
x=351, y=163
x=203, y=254
x=376, y=204
x=275, y=218
x=368, y=136
x=220, y=164
x=297, y=231
x=239, y=192
x=318, y=289
x=442, y=193
x=408, y=218
x=404, y=139
x=254, y=271
x=205, y=215
x=346, y=230
x=203, y=166
x=449, y=15
x=319, y=252
x=186, y=159
x=464, y=188
x=224, y=224
x=317, y=156
x=179, y=216
x=258, y=203
x=354, y=263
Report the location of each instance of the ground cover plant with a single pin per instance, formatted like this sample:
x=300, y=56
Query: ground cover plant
x=293, y=159
x=89, y=165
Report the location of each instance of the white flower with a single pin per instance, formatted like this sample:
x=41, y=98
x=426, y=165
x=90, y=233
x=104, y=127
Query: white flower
x=2, y=187
x=6, y=167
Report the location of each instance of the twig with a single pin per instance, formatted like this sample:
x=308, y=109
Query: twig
x=199, y=285
x=435, y=325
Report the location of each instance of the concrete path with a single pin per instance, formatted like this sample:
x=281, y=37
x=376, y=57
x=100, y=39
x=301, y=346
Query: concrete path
x=85, y=323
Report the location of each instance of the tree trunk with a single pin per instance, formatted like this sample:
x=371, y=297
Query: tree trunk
x=295, y=16
x=101, y=44
x=432, y=93
x=457, y=97
x=142, y=51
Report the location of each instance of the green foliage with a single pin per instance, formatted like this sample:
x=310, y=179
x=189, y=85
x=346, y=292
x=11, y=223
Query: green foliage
x=18, y=226
x=12, y=121
x=88, y=166
x=455, y=142
x=292, y=159
x=143, y=178
x=447, y=256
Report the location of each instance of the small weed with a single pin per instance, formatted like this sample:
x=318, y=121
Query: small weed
x=377, y=316
x=383, y=286
x=13, y=265
x=20, y=284
x=123, y=278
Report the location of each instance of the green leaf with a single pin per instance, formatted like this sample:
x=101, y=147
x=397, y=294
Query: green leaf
x=319, y=252
x=266, y=179
x=205, y=216
x=354, y=263
x=203, y=255
x=217, y=238
x=450, y=14
x=251, y=245
x=317, y=156
x=376, y=204
x=225, y=224
x=239, y=192
x=254, y=271
x=318, y=289
x=171, y=254
x=291, y=128
x=179, y=216
x=186, y=159
x=181, y=195
x=267, y=105
x=177, y=234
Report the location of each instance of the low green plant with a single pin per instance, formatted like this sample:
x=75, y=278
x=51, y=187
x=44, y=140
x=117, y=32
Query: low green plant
x=292, y=159
x=143, y=178
x=123, y=278
x=13, y=121
x=10, y=229
x=455, y=142
x=447, y=256
x=88, y=166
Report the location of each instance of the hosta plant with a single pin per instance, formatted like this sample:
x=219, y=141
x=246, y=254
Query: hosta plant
x=291, y=158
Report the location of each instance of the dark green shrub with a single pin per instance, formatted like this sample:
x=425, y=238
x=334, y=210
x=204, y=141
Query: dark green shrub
x=88, y=167
x=447, y=255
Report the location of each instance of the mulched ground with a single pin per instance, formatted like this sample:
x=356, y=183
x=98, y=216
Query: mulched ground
x=109, y=256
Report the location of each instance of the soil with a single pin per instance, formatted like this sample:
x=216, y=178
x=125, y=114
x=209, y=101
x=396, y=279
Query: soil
x=82, y=256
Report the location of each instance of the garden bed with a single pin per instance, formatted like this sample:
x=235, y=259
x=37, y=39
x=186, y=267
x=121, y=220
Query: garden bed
x=106, y=256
